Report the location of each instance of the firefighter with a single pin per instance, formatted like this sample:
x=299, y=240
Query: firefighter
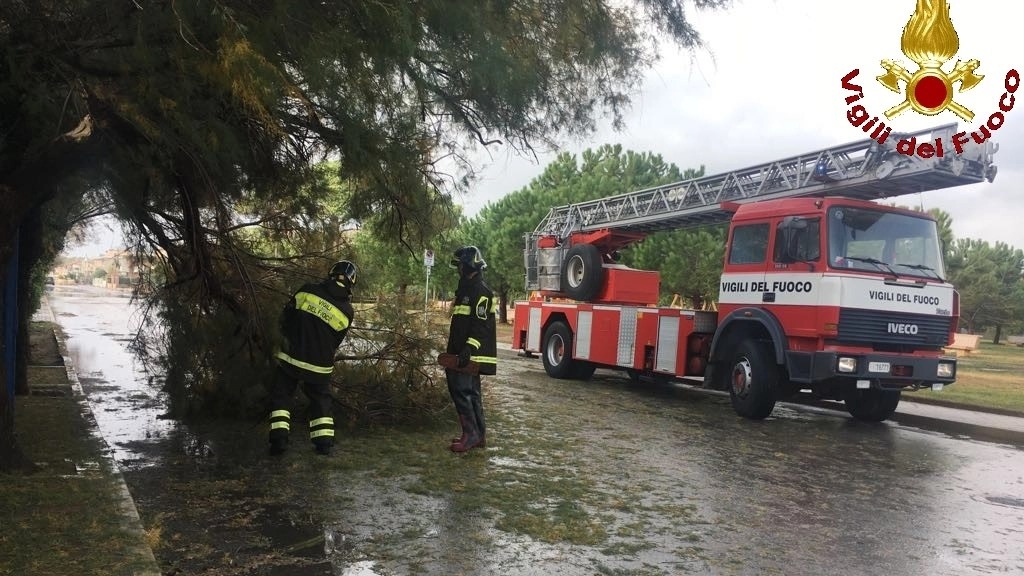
x=472, y=336
x=314, y=323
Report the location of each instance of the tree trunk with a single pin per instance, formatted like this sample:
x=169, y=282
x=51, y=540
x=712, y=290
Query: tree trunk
x=999, y=334
x=503, y=306
x=30, y=248
x=11, y=457
x=697, y=301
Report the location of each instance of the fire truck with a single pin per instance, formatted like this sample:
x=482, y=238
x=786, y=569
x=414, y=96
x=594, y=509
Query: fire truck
x=823, y=288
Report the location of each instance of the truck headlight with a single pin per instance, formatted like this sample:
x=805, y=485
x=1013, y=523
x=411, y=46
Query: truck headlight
x=945, y=370
x=847, y=364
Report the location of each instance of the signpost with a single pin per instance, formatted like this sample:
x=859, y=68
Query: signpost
x=428, y=262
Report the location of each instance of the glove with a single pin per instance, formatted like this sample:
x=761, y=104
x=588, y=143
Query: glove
x=464, y=357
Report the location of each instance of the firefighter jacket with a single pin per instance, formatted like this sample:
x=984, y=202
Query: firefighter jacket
x=314, y=324
x=473, y=323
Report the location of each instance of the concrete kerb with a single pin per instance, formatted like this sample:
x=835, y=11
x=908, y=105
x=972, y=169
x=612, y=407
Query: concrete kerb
x=131, y=521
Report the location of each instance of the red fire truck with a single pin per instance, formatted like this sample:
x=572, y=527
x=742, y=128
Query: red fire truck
x=822, y=288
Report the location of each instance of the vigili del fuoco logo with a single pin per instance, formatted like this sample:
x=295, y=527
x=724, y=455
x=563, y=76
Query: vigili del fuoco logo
x=930, y=40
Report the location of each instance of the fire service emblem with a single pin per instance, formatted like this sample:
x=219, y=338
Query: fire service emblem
x=930, y=40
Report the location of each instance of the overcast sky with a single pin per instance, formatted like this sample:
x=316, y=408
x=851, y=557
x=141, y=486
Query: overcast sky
x=769, y=86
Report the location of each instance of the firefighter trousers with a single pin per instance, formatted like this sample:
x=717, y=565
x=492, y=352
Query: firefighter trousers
x=321, y=419
x=465, y=392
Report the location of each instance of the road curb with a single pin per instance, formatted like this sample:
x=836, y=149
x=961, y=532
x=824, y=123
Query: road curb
x=131, y=521
x=949, y=404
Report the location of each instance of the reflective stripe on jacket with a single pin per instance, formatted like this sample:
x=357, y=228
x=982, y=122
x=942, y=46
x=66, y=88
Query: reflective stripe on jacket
x=315, y=323
x=473, y=323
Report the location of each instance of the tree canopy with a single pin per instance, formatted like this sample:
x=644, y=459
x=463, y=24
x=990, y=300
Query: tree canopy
x=990, y=280
x=184, y=109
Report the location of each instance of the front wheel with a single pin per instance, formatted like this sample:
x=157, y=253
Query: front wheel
x=872, y=404
x=753, y=378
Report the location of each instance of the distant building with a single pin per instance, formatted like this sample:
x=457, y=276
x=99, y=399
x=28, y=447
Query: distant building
x=119, y=270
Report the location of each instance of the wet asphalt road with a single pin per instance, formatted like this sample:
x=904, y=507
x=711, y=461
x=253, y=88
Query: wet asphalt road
x=674, y=481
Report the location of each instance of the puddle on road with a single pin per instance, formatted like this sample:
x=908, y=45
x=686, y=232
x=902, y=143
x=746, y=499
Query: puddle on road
x=363, y=568
x=127, y=402
x=1008, y=501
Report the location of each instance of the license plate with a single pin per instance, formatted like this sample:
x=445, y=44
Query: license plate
x=937, y=386
x=880, y=367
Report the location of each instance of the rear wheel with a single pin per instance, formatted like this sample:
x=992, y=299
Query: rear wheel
x=871, y=405
x=753, y=378
x=558, y=361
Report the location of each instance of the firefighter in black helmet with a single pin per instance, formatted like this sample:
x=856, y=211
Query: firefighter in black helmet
x=314, y=323
x=472, y=336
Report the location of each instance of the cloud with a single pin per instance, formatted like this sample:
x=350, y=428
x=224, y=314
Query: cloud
x=769, y=86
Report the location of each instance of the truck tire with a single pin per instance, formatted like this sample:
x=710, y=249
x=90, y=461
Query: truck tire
x=558, y=362
x=753, y=378
x=871, y=405
x=582, y=273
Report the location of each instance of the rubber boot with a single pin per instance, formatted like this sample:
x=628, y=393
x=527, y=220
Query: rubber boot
x=471, y=439
x=478, y=412
x=278, y=445
x=462, y=424
x=462, y=439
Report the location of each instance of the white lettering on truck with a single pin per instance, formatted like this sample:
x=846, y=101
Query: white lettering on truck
x=898, y=328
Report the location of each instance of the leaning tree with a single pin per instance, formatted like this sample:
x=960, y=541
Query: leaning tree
x=199, y=117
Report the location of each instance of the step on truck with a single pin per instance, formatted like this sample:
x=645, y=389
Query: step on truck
x=823, y=288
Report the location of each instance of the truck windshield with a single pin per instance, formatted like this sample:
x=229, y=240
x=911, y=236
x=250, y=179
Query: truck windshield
x=884, y=242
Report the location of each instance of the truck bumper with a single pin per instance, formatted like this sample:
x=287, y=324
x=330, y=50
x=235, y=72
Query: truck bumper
x=889, y=370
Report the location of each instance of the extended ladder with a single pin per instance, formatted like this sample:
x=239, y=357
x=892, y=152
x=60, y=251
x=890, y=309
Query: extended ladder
x=864, y=170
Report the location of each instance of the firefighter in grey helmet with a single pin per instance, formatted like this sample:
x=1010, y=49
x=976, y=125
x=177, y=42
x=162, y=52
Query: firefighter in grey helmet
x=314, y=323
x=472, y=336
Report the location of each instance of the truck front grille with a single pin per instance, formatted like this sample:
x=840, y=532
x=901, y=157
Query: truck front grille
x=893, y=328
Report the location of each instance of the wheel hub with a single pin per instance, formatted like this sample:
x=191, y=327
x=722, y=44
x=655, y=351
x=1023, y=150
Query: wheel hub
x=556, y=350
x=741, y=377
x=574, y=271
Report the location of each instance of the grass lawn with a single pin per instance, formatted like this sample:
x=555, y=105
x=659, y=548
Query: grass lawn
x=992, y=377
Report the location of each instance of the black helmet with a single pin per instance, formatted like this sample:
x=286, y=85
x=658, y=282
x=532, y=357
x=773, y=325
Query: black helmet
x=470, y=257
x=343, y=269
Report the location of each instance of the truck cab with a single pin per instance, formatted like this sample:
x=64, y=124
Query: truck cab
x=839, y=296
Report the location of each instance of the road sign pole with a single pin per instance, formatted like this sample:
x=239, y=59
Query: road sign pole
x=428, y=263
x=426, y=293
